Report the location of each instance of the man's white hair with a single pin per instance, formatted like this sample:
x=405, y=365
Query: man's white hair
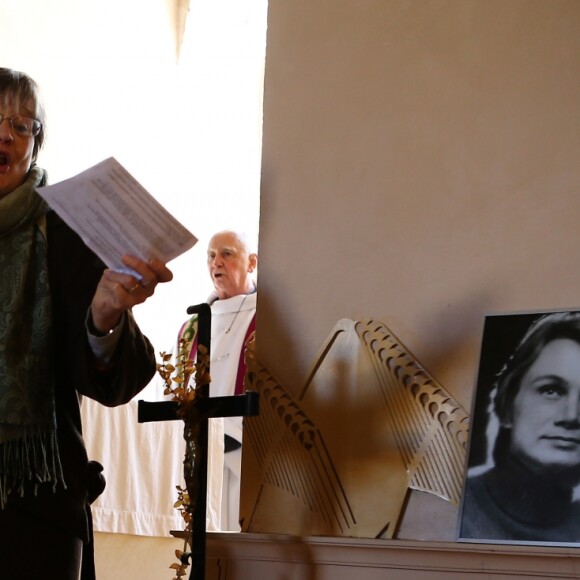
x=247, y=242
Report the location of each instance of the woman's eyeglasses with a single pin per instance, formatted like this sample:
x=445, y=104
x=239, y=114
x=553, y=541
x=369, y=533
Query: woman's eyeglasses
x=23, y=126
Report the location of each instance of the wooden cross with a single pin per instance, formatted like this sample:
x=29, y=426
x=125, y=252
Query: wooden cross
x=204, y=408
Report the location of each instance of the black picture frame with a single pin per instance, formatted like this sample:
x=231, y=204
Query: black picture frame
x=502, y=333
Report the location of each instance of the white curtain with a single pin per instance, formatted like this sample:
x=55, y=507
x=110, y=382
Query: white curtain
x=143, y=465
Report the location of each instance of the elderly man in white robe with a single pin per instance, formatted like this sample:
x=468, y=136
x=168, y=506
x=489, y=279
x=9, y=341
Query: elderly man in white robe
x=231, y=264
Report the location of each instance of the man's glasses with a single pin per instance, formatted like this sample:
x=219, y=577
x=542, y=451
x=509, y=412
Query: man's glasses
x=23, y=126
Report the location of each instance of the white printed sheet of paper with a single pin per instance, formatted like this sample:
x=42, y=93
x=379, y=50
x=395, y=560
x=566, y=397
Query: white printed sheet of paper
x=114, y=215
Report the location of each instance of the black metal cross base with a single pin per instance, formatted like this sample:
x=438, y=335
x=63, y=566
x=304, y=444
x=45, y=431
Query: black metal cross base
x=206, y=408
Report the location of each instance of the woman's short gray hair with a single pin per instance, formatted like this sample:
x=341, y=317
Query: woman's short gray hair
x=18, y=88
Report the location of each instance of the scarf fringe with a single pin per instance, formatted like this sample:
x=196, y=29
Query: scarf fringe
x=29, y=460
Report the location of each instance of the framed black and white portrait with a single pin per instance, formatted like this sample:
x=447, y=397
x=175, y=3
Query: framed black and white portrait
x=524, y=452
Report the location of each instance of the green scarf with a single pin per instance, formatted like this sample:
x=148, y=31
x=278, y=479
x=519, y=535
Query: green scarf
x=28, y=444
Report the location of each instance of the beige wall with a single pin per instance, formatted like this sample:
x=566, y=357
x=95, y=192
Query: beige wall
x=421, y=166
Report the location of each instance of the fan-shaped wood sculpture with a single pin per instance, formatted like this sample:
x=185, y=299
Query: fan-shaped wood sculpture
x=339, y=459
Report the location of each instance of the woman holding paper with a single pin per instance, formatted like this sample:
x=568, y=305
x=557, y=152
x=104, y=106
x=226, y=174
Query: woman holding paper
x=66, y=330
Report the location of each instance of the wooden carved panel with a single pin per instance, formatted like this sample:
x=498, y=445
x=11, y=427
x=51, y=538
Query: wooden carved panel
x=339, y=459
